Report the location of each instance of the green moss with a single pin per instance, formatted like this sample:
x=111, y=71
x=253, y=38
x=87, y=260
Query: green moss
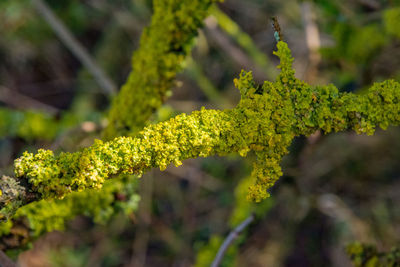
x=163, y=48
x=265, y=121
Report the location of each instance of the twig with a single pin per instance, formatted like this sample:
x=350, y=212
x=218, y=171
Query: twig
x=228, y=241
x=5, y=261
x=277, y=29
x=75, y=47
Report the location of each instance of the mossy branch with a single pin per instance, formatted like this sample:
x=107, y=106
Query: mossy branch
x=265, y=121
x=163, y=48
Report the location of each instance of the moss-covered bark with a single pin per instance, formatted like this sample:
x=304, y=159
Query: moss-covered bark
x=265, y=121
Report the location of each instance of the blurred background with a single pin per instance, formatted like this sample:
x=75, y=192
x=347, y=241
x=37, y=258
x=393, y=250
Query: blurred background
x=336, y=189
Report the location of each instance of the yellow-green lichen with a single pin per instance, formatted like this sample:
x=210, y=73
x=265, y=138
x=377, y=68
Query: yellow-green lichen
x=164, y=46
x=158, y=145
x=49, y=215
x=265, y=121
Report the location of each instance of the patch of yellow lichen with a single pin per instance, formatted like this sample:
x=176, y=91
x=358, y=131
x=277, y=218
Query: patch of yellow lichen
x=265, y=121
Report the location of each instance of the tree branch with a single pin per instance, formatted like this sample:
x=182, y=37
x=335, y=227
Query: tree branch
x=265, y=121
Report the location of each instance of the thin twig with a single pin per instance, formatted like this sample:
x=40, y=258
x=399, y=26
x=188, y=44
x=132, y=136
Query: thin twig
x=75, y=47
x=228, y=241
x=277, y=29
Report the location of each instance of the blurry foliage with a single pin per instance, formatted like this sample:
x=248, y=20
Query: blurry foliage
x=392, y=21
x=244, y=41
x=367, y=256
x=35, y=125
x=67, y=256
x=28, y=125
x=20, y=22
x=361, y=38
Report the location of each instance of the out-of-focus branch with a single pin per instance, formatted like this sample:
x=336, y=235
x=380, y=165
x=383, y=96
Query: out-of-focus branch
x=336, y=208
x=244, y=41
x=140, y=244
x=312, y=40
x=207, y=87
x=235, y=53
x=75, y=47
x=84, y=127
x=21, y=101
x=194, y=175
x=372, y=4
x=228, y=241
